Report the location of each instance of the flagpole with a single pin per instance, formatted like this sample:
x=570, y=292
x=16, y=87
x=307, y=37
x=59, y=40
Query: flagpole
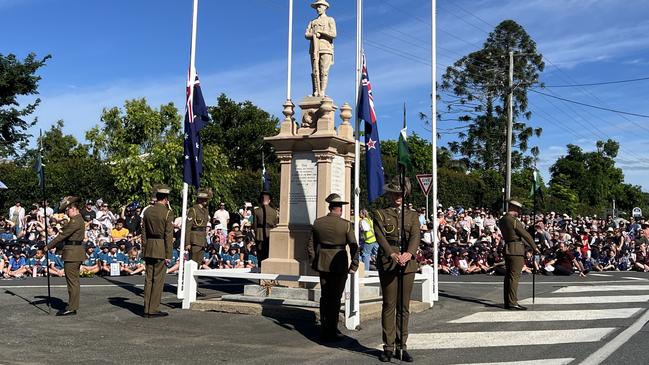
x=41, y=174
x=434, y=143
x=183, y=228
x=290, y=49
x=357, y=144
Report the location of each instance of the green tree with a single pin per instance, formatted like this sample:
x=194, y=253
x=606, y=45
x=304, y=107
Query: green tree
x=475, y=90
x=240, y=128
x=17, y=78
x=142, y=146
x=591, y=176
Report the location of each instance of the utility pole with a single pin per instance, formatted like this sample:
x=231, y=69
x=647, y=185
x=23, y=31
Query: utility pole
x=510, y=117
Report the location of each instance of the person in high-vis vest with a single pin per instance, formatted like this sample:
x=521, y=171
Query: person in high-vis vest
x=370, y=247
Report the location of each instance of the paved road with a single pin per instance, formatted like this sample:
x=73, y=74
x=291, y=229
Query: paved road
x=599, y=319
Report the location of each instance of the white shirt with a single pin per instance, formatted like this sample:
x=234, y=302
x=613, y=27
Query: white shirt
x=20, y=212
x=223, y=216
x=49, y=210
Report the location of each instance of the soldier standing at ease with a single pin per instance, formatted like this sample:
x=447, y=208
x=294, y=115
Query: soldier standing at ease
x=391, y=263
x=265, y=218
x=515, y=237
x=328, y=255
x=197, y=218
x=74, y=253
x=157, y=244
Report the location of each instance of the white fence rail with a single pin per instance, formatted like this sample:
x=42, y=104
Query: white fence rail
x=352, y=287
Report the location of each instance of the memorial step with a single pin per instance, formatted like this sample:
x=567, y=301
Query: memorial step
x=368, y=293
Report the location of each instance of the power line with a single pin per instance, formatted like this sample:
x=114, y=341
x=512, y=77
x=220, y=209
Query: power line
x=591, y=106
x=597, y=83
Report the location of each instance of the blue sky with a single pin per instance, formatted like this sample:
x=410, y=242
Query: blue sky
x=105, y=52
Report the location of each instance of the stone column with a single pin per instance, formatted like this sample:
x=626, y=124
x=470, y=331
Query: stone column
x=324, y=160
x=282, y=258
x=349, y=193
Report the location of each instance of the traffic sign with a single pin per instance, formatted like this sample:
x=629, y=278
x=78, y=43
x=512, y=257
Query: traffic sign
x=425, y=182
x=637, y=212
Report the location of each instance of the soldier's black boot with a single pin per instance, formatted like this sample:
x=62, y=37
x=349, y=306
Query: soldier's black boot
x=385, y=356
x=403, y=355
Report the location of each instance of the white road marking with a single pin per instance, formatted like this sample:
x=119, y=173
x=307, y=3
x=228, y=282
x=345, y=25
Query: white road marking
x=607, y=350
x=546, y=316
x=595, y=274
x=590, y=299
x=454, y=340
x=594, y=288
x=100, y=286
x=632, y=278
x=564, y=361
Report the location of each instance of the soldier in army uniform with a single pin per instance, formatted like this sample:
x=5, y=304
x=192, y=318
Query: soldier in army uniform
x=391, y=262
x=321, y=31
x=328, y=255
x=74, y=253
x=197, y=218
x=265, y=218
x=515, y=237
x=157, y=245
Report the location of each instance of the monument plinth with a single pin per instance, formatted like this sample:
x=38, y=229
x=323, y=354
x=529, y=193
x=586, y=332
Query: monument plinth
x=316, y=160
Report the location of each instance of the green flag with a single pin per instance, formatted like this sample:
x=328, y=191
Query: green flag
x=536, y=182
x=403, y=153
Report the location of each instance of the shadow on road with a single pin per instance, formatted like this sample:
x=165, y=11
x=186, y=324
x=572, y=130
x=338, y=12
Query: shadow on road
x=304, y=322
x=484, y=302
x=137, y=309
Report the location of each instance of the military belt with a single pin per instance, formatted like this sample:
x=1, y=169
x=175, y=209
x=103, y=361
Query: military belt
x=74, y=243
x=154, y=236
x=331, y=247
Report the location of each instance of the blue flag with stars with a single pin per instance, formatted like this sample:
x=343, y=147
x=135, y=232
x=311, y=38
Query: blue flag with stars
x=195, y=120
x=373, y=160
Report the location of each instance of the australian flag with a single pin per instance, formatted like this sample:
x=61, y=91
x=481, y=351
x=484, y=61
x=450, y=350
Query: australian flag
x=195, y=119
x=373, y=161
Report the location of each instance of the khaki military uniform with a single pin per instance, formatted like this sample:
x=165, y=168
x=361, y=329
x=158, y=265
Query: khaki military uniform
x=326, y=26
x=515, y=237
x=387, y=227
x=196, y=237
x=328, y=255
x=74, y=253
x=265, y=218
x=157, y=244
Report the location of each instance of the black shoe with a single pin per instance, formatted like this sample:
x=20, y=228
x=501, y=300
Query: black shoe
x=66, y=313
x=403, y=355
x=199, y=294
x=385, y=356
x=155, y=315
x=516, y=307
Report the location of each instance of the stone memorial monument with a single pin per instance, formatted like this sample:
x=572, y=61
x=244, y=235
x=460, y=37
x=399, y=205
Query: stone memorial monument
x=315, y=158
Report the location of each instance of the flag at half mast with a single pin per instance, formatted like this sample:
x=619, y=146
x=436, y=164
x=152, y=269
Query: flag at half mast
x=195, y=119
x=373, y=160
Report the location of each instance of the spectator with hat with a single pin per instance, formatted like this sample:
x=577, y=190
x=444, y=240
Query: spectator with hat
x=236, y=228
x=87, y=212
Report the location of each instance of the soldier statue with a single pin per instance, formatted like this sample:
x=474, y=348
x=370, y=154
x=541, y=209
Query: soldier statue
x=321, y=31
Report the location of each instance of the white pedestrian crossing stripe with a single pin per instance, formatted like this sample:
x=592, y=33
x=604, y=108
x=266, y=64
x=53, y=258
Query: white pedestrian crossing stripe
x=605, y=275
x=600, y=288
x=589, y=299
x=453, y=340
x=547, y=316
x=564, y=361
